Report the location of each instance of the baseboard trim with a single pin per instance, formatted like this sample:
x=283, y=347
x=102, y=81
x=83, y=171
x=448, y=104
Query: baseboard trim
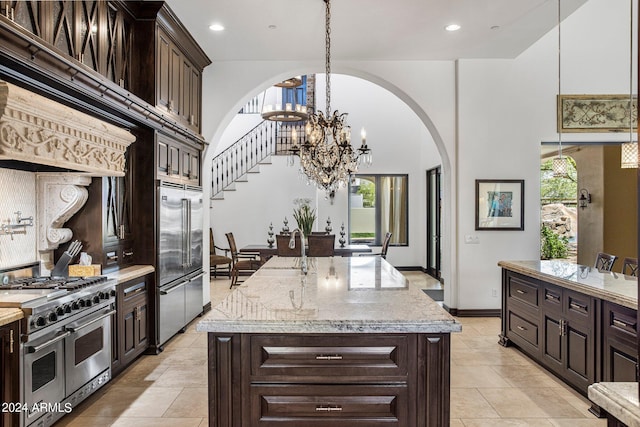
x=410, y=268
x=206, y=308
x=494, y=312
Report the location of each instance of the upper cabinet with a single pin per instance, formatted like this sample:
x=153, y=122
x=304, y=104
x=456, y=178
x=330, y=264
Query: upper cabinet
x=96, y=33
x=179, y=64
x=134, y=57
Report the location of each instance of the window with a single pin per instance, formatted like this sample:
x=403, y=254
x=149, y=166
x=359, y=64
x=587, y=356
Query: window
x=378, y=204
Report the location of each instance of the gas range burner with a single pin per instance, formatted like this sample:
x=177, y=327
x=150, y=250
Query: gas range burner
x=70, y=284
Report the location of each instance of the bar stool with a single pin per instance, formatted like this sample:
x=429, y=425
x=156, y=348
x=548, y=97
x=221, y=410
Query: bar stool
x=604, y=261
x=630, y=264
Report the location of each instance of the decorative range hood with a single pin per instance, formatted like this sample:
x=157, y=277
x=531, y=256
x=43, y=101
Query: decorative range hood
x=36, y=129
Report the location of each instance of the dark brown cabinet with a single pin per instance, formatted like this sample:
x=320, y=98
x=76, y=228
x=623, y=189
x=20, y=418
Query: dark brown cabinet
x=582, y=339
x=131, y=323
x=177, y=160
x=619, y=341
x=179, y=65
x=9, y=371
x=105, y=223
x=568, y=326
x=329, y=380
x=97, y=34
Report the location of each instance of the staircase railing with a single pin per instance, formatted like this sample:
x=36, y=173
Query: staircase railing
x=265, y=139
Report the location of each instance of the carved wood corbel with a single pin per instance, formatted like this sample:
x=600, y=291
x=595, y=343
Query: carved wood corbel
x=58, y=196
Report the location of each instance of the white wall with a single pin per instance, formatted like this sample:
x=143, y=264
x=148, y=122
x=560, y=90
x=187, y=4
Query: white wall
x=485, y=117
x=400, y=143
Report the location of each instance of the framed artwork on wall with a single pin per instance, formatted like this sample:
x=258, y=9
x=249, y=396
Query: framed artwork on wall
x=499, y=204
x=595, y=113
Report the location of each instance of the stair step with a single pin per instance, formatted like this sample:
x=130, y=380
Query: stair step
x=230, y=187
x=218, y=196
x=243, y=178
x=255, y=169
x=265, y=161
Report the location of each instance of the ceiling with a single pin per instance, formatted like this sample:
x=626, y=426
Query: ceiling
x=369, y=29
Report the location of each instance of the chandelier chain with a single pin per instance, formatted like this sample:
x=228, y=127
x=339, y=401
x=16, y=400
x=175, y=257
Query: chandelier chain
x=328, y=55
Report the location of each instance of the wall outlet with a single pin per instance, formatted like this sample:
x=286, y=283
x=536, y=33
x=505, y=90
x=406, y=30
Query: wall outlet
x=494, y=292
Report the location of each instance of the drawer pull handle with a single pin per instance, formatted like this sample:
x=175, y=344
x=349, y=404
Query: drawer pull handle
x=552, y=297
x=577, y=306
x=328, y=357
x=520, y=291
x=328, y=408
x=521, y=328
x=621, y=324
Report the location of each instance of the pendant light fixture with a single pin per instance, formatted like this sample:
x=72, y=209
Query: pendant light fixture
x=292, y=111
x=327, y=157
x=559, y=164
x=629, y=150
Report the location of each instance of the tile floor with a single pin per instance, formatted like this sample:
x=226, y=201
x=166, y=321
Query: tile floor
x=490, y=385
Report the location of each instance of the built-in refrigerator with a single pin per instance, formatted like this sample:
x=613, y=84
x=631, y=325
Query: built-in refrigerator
x=180, y=275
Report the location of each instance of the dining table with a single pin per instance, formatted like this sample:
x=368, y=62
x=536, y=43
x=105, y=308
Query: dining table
x=267, y=251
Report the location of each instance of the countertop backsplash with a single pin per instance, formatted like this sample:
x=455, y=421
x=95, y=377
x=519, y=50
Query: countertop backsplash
x=18, y=193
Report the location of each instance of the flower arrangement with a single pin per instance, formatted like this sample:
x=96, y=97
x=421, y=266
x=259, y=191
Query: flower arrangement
x=304, y=215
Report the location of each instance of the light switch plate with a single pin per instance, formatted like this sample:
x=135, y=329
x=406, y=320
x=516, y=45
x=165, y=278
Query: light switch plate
x=471, y=239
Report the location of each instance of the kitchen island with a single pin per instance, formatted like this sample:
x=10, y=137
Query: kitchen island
x=348, y=344
x=578, y=322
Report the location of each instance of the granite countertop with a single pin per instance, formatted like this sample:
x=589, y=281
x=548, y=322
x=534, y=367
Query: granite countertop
x=619, y=399
x=130, y=273
x=338, y=295
x=8, y=315
x=606, y=285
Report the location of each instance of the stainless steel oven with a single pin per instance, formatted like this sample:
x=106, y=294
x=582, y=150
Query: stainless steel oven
x=44, y=378
x=87, y=348
x=65, y=341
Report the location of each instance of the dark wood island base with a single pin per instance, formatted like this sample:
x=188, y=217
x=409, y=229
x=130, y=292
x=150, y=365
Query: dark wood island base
x=337, y=380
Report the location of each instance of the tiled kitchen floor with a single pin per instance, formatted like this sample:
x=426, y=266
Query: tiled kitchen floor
x=490, y=385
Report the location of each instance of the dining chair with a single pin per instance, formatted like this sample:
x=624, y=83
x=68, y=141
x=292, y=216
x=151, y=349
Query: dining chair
x=321, y=245
x=605, y=261
x=216, y=260
x=630, y=264
x=385, y=247
x=242, y=262
x=282, y=246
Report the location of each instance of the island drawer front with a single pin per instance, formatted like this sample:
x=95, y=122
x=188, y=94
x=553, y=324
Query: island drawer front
x=523, y=290
x=620, y=321
x=524, y=329
x=329, y=405
x=335, y=356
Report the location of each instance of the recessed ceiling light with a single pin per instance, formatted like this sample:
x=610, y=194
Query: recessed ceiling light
x=272, y=27
x=452, y=27
x=216, y=27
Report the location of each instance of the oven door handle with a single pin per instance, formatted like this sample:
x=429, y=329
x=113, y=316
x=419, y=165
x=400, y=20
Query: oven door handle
x=37, y=348
x=91, y=322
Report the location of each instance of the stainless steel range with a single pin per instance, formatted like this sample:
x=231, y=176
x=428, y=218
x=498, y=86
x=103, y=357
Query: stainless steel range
x=65, y=344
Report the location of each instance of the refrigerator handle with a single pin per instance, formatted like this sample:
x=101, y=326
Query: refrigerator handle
x=185, y=233
x=189, y=213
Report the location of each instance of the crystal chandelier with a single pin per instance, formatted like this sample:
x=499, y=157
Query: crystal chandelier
x=326, y=155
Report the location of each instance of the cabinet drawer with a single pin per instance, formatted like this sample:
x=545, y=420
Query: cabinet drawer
x=523, y=328
x=334, y=356
x=328, y=405
x=523, y=291
x=620, y=321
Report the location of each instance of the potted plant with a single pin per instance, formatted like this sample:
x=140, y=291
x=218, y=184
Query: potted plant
x=304, y=215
